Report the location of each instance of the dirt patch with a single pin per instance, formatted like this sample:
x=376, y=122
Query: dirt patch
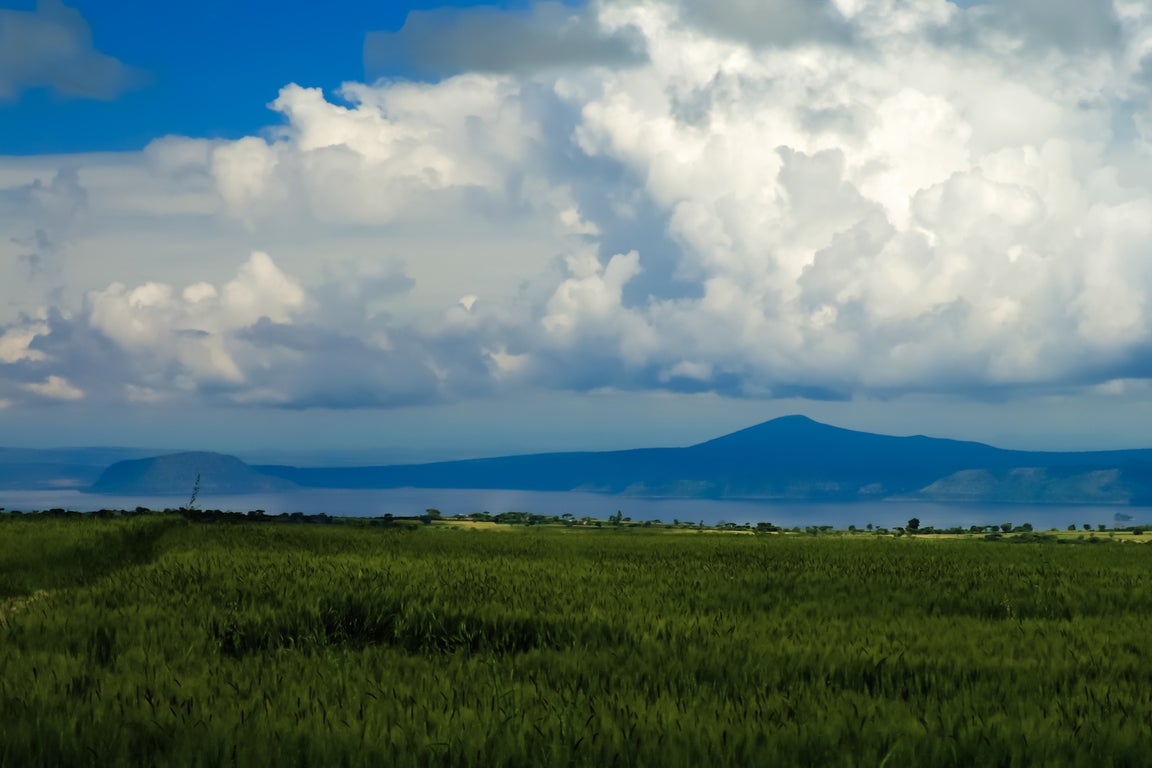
x=482, y=525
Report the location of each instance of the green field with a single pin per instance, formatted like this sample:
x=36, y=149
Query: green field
x=155, y=640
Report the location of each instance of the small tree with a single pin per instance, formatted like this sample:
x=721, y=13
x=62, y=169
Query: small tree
x=195, y=494
x=914, y=525
x=1006, y=527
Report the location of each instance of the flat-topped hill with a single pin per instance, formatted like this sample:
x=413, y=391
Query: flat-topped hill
x=181, y=473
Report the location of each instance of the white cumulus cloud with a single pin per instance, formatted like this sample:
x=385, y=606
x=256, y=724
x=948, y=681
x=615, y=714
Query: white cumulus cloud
x=396, y=151
x=193, y=331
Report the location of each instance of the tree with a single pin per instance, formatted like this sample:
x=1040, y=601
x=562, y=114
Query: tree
x=914, y=524
x=1006, y=527
x=195, y=494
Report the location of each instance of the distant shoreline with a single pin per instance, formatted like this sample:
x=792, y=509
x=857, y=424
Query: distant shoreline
x=413, y=501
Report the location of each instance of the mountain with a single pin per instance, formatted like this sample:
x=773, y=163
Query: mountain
x=791, y=458
x=787, y=458
x=184, y=473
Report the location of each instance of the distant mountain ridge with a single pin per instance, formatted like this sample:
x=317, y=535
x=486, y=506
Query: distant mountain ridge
x=790, y=458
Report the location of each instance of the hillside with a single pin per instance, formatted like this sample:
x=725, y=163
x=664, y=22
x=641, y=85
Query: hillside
x=791, y=458
x=180, y=473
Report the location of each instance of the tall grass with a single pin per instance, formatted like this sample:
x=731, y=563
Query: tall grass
x=264, y=645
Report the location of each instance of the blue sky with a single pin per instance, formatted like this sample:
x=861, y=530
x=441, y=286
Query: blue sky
x=203, y=69
x=435, y=229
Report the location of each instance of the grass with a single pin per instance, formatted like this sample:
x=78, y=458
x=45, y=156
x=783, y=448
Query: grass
x=158, y=641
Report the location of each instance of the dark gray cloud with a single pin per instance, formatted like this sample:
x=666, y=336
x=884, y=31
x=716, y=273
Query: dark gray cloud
x=331, y=369
x=1068, y=25
x=69, y=349
x=52, y=48
x=486, y=39
x=776, y=23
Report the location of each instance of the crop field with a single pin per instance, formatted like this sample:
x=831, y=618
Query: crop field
x=155, y=640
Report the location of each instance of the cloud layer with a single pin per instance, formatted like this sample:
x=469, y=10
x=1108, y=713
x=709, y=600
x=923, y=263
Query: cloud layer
x=817, y=199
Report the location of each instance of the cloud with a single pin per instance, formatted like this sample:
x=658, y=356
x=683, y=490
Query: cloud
x=399, y=151
x=548, y=35
x=55, y=388
x=918, y=235
x=52, y=48
x=258, y=339
x=861, y=198
x=324, y=367
x=16, y=342
x=772, y=22
x=50, y=215
x=186, y=339
x=1068, y=25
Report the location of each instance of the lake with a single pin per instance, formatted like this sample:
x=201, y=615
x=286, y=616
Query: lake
x=413, y=501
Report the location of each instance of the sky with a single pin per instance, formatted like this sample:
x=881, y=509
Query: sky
x=429, y=230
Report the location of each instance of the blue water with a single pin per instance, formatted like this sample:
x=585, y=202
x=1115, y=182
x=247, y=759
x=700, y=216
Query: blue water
x=413, y=501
